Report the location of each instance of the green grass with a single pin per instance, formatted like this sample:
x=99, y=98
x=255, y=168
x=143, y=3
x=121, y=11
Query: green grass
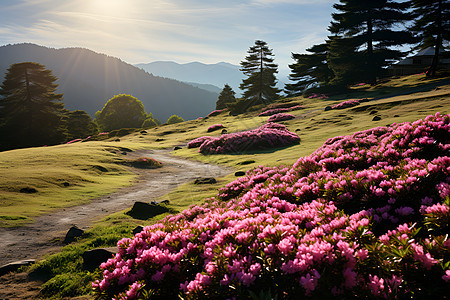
x=81, y=164
x=59, y=176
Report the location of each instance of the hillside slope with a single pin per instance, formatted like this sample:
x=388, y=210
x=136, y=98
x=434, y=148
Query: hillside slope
x=88, y=79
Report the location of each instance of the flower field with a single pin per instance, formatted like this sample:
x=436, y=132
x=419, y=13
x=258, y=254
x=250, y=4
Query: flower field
x=267, y=136
x=364, y=216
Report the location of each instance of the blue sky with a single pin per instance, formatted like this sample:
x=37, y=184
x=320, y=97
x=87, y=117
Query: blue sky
x=139, y=31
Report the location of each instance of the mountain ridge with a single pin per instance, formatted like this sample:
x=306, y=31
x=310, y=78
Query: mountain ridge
x=88, y=79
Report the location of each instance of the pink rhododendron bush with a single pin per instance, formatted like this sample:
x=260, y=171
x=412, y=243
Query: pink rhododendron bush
x=267, y=136
x=274, y=111
x=280, y=117
x=365, y=216
x=215, y=127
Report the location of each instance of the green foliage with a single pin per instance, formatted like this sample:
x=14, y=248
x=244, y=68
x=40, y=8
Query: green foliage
x=173, y=119
x=31, y=113
x=431, y=26
x=149, y=123
x=121, y=111
x=366, y=28
x=226, y=96
x=260, y=70
x=309, y=70
x=79, y=125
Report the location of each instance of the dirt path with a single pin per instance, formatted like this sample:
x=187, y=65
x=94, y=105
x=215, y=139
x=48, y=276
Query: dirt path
x=32, y=241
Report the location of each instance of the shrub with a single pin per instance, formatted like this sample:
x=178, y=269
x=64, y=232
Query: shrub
x=267, y=136
x=215, y=127
x=274, y=111
x=144, y=163
x=346, y=104
x=216, y=112
x=280, y=117
x=364, y=216
x=173, y=119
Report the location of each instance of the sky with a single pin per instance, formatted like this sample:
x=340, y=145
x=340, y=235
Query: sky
x=142, y=31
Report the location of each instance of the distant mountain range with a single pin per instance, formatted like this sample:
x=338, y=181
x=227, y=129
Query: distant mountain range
x=89, y=79
x=197, y=73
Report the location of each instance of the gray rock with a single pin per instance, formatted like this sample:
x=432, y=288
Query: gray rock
x=92, y=259
x=205, y=181
x=138, y=229
x=73, y=233
x=14, y=266
x=144, y=211
x=376, y=118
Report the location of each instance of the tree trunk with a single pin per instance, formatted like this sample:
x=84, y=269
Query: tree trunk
x=434, y=64
x=370, y=62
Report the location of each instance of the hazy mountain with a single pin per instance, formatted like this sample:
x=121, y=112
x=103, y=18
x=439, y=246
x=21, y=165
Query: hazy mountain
x=215, y=74
x=196, y=73
x=205, y=86
x=88, y=79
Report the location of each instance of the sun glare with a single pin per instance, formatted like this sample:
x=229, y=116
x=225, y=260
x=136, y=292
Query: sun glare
x=112, y=8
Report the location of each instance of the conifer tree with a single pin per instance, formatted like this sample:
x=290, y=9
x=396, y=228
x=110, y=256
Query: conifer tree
x=260, y=70
x=367, y=26
x=226, y=96
x=432, y=26
x=31, y=113
x=309, y=70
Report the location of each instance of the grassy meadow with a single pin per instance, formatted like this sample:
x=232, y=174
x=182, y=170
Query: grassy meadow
x=68, y=175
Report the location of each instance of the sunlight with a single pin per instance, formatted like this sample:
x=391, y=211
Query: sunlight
x=114, y=8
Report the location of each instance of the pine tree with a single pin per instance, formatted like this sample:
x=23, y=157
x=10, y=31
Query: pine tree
x=367, y=26
x=258, y=65
x=432, y=25
x=226, y=96
x=79, y=125
x=309, y=70
x=31, y=113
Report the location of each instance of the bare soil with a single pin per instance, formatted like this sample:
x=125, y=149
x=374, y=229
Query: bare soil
x=46, y=233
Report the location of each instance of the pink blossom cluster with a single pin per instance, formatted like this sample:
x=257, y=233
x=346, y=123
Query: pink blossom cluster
x=74, y=141
x=280, y=117
x=365, y=216
x=215, y=127
x=346, y=104
x=274, y=111
x=215, y=112
x=317, y=96
x=267, y=136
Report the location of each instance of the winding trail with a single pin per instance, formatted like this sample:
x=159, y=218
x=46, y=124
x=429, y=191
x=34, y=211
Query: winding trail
x=45, y=234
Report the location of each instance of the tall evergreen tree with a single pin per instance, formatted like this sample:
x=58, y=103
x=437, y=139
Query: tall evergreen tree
x=367, y=26
x=31, y=113
x=432, y=26
x=226, y=96
x=260, y=70
x=309, y=70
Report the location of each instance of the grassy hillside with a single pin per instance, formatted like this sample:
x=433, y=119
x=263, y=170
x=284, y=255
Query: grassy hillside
x=399, y=100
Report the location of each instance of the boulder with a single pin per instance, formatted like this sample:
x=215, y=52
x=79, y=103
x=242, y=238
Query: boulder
x=376, y=118
x=144, y=211
x=73, y=233
x=14, y=266
x=239, y=173
x=28, y=190
x=138, y=229
x=224, y=131
x=92, y=259
x=327, y=108
x=205, y=180
x=177, y=148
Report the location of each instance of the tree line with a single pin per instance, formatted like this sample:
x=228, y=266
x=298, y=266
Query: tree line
x=32, y=113
x=365, y=38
